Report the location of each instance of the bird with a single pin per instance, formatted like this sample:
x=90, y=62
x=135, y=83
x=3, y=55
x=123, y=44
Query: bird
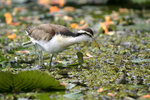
x=52, y=38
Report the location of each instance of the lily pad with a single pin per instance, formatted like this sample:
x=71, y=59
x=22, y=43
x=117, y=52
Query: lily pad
x=27, y=81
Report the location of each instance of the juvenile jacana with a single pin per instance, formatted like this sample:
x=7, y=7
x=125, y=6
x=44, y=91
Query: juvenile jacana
x=53, y=38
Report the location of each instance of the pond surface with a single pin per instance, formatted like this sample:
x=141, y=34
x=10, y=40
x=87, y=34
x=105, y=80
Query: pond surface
x=119, y=70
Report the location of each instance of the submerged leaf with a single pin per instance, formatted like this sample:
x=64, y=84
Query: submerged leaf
x=140, y=60
x=73, y=96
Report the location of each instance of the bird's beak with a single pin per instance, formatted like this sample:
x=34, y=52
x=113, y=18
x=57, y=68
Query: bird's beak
x=95, y=43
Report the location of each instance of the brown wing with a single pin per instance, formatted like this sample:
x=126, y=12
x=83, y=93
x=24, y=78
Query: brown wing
x=42, y=32
x=59, y=29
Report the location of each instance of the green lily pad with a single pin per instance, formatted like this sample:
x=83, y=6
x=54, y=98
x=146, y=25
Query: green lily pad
x=27, y=81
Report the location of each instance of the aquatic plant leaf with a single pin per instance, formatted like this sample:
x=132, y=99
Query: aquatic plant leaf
x=80, y=58
x=27, y=81
x=140, y=60
x=73, y=96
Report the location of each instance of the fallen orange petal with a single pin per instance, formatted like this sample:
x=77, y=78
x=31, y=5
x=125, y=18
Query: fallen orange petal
x=13, y=36
x=74, y=25
x=100, y=90
x=43, y=2
x=146, y=96
x=111, y=94
x=22, y=51
x=15, y=24
x=83, y=26
x=63, y=84
x=104, y=28
x=69, y=9
x=107, y=18
x=53, y=9
x=8, y=2
x=61, y=3
x=88, y=54
x=59, y=61
x=8, y=18
x=18, y=9
x=110, y=33
x=82, y=21
x=7, y=34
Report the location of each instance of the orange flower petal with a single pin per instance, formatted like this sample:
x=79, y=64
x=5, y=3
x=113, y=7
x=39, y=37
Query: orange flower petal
x=7, y=34
x=74, y=25
x=15, y=24
x=8, y=18
x=146, y=96
x=110, y=33
x=82, y=22
x=53, y=9
x=81, y=27
x=107, y=18
x=111, y=94
x=13, y=36
x=88, y=54
x=69, y=9
x=63, y=84
x=104, y=28
x=100, y=90
x=22, y=51
x=61, y=3
x=43, y=2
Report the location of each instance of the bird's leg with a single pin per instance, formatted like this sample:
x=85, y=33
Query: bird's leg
x=51, y=60
x=35, y=55
x=40, y=55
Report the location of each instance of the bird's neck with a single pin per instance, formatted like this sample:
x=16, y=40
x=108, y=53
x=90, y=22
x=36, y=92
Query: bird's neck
x=81, y=38
x=68, y=41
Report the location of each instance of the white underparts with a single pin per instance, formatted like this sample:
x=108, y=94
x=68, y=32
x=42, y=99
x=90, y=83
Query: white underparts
x=59, y=43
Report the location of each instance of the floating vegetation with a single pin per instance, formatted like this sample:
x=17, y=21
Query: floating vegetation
x=119, y=69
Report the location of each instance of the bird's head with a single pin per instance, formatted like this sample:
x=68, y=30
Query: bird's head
x=88, y=32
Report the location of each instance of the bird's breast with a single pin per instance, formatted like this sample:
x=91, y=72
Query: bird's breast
x=57, y=44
